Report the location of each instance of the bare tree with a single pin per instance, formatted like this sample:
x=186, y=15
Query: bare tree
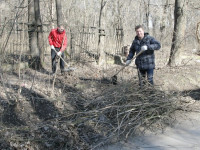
x=39, y=32
x=101, y=32
x=35, y=37
x=198, y=36
x=179, y=31
x=148, y=15
x=197, y=32
x=164, y=19
x=59, y=12
x=32, y=35
x=51, y=13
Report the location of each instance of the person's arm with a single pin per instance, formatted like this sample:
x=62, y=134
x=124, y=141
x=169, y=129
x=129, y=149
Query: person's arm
x=130, y=55
x=131, y=52
x=154, y=44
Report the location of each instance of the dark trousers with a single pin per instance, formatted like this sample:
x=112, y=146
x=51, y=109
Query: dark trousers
x=55, y=58
x=142, y=74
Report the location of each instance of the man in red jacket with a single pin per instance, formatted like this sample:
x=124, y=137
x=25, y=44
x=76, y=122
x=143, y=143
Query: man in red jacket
x=58, y=42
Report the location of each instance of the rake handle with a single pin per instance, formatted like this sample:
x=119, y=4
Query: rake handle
x=60, y=57
x=128, y=65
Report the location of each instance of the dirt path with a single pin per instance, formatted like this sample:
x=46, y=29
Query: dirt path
x=184, y=135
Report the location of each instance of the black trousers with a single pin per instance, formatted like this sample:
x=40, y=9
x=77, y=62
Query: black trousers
x=55, y=58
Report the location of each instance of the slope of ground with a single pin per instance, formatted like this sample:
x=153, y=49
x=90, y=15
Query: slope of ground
x=31, y=108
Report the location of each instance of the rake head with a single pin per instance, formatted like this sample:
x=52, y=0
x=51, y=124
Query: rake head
x=114, y=79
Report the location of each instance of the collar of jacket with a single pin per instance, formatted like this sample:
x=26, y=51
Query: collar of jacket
x=60, y=32
x=145, y=35
x=141, y=42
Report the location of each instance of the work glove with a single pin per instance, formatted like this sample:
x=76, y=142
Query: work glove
x=144, y=48
x=59, y=53
x=128, y=62
x=52, y=47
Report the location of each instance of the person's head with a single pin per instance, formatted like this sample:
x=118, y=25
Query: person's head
x=60, y=28
x=139, y=31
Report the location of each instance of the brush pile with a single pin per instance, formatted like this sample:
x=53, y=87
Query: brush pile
x=32, y=120
x=124, y=110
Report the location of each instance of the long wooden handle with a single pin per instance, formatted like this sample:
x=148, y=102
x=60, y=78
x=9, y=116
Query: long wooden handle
x=60, y=57
x=127, y=65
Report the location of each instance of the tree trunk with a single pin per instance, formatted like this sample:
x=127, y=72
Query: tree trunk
x=148, y=16
x=179, y=32
x=32, y=32
x=164, y=20
x=198, y=38
x=35, y=35
x=197, y=32
x=101, y=42
x=51, y=13
x=119, y=29
x=59, y=12
x=39, y=32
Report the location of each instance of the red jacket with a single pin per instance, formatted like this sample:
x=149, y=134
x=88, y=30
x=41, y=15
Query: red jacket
x=56, y=39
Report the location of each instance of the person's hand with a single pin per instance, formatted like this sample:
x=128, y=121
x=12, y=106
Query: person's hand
x=52, y=47
x=144, y=48
x=59, y=53
x=128, y=62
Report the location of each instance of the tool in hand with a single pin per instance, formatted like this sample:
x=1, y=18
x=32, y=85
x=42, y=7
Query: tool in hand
x=68, y=67
x=59, y=56
x=114, y=77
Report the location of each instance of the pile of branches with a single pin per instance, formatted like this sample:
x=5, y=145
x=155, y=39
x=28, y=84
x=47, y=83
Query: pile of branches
x=117, y=113
x=122, y=111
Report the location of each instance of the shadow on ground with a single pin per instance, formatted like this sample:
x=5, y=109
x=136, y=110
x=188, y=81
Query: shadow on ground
x=9, y=116
x=52, y=130
x=194, y=94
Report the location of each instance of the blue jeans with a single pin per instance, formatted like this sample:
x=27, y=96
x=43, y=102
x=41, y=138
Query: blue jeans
x=142, y=76
x=55, y=60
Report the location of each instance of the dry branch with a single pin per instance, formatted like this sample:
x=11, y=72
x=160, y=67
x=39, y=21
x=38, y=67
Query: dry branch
x=197, y=32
